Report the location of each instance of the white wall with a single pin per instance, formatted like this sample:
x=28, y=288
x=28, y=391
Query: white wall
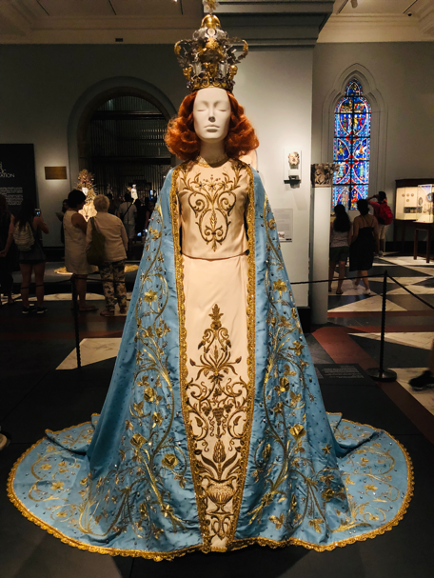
x=48, y=86
x=403, y=83
x=275, y=86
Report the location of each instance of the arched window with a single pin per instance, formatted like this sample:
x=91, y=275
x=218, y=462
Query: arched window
x=351, y=146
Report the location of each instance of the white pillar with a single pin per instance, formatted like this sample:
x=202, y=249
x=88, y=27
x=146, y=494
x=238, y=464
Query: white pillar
x=320, y=253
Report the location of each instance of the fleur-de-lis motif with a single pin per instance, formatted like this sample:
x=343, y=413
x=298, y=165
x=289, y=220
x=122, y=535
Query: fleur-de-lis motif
x=212, y=201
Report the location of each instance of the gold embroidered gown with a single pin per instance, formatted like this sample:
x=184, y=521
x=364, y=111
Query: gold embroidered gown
x=212, y=207
x=213, y=435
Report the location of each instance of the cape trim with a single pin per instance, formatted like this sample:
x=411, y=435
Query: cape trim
x=236, y=544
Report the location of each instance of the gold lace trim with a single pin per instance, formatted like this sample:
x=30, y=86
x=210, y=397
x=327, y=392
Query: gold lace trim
x=236, y=544
x=183, y=371
x=251, y=305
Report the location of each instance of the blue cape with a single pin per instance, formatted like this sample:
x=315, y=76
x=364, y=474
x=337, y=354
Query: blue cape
x=124, y=483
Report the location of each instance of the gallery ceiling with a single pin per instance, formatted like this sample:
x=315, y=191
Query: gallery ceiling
x=165, y=21
x=374, y=6
x=380, y=21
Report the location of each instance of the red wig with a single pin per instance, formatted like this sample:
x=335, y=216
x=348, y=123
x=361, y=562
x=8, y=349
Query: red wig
x=182, y=141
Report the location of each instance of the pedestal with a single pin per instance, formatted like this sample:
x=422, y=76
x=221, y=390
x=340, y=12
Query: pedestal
x=320, y=253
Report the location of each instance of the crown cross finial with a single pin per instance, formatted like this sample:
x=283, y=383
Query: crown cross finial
x=209, y=58
x=210, y=5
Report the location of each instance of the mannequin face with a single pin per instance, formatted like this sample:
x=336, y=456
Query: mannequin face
x=211, y=114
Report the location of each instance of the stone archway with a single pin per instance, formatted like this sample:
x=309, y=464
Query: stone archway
x=95, y=97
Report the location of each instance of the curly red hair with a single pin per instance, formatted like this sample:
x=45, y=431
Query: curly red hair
x=182, y=141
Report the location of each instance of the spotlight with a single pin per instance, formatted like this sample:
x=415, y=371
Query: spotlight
x=354, y=3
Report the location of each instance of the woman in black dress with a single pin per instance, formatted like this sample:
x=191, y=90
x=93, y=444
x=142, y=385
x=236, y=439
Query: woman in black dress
x=364, y=243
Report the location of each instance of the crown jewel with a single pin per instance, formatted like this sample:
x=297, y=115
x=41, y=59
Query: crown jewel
x=209, y=58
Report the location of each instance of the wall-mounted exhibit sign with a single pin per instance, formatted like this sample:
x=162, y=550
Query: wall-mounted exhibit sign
x=283, y=218
x=55, y=173
x=17, y=174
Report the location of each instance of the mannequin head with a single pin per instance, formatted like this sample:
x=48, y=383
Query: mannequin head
x=186, y=132
x=211, y=114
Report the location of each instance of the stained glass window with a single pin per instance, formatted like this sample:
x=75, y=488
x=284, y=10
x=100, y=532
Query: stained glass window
x=351, y=147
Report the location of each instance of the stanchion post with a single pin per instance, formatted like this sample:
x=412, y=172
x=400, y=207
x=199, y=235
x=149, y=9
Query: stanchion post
x=76, y=326
x=379, y=373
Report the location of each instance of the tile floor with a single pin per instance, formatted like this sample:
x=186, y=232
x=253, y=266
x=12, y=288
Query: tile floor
x=406, y=349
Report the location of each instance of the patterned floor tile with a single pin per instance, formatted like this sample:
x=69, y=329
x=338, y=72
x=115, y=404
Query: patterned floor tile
x=366, y=303
x=92, y=351
x=421, y=340
x=408, y=261
x=425, y=398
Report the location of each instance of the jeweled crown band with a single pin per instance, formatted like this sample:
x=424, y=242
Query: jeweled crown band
x=209, y=58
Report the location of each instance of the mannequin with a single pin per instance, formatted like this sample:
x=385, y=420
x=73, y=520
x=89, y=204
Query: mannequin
x=211, y=113
x=213, y=435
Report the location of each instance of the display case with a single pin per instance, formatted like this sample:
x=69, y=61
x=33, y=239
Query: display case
x=414, y=200
x=425, y=203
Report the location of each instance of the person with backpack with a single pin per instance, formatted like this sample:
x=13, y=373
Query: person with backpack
x=384, y=216
x=25, y=231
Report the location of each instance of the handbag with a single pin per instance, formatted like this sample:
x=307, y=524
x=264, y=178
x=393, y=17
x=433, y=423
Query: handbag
x=96, y=250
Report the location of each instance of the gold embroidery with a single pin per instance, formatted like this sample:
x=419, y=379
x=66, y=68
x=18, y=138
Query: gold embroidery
x=283, y=404
x=146, y=442
x=179, y=274
x=251, y=315
x=212, y=200
x=183, y=372
x=236, y=545
x=217, y=407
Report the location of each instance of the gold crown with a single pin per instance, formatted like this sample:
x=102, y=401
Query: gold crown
x=209, y=58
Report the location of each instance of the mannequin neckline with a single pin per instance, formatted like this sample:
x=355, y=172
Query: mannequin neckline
x=217, y=163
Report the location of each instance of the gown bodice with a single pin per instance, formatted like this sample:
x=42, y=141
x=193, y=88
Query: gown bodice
x=212, y=203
